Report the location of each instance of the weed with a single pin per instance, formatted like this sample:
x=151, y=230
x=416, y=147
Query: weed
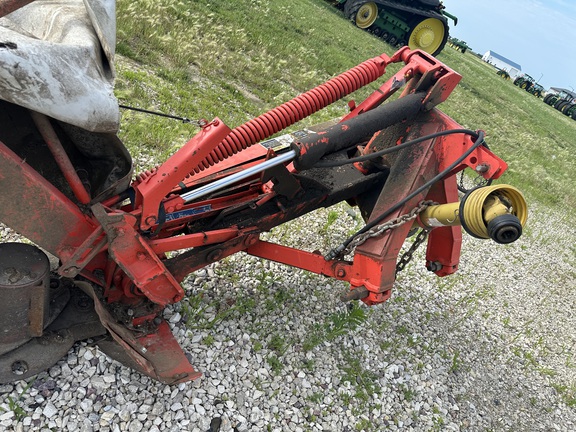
x=340, y=323
x=456, y=362
x=332, y=217
x=402, y=330
x=567, y=393
x=14, y=404
x=316, y=397
x=336, y=324
x=275, y=363
x=208, y=340
x=364, y=425
x=277, y=344
x=364, y=380
x=408, y=393
x=309, y=365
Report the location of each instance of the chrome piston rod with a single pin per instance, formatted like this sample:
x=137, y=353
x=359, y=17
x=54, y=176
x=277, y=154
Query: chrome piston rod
x=242, y=175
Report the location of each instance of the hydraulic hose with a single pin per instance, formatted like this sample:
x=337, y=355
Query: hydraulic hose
x=479, y=141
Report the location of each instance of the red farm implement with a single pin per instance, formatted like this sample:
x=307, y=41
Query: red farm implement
x=70, y=192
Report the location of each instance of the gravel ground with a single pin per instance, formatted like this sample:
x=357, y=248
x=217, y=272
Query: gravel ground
x=490, y=348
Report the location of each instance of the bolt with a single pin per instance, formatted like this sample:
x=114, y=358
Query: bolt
x=250, y=240
x=83, y=303
x=340, y=273
x=141, y=256
x=355, y=294
x=482, y=168
x=214, y=255
x=180, y=376
x=151, y=220
x=71, y=271
x=54, y=283
x=434, y=266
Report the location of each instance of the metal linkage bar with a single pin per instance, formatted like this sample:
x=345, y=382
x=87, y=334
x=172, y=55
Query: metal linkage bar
x=53, y=142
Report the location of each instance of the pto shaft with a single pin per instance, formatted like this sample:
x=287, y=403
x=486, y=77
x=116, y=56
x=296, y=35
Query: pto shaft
x=497, y=212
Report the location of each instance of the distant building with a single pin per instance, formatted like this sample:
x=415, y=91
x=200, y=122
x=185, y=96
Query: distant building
x=501, y=62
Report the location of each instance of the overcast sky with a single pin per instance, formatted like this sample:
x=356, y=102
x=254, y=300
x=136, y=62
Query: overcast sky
x=539, y=35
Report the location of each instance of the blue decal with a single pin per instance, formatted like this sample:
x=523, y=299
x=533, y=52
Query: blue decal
x=188, y=212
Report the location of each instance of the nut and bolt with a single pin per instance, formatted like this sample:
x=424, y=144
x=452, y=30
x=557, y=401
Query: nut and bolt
x=214, y=255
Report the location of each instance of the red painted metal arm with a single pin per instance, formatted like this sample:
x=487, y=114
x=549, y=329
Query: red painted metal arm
x=153, y=189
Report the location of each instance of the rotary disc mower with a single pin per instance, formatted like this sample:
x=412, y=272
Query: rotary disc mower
x=66, y=184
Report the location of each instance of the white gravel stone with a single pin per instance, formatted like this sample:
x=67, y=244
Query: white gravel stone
x=50, y=410
x=465, y=352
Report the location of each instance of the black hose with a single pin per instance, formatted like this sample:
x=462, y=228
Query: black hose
x=337, y=163
x=479, y=141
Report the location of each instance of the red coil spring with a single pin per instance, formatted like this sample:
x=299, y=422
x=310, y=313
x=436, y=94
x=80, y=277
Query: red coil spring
x=295, y=110
x=143, y=176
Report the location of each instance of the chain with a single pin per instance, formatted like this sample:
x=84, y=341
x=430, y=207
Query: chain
x=407, y=256
x=478, y=181
x=392, y=223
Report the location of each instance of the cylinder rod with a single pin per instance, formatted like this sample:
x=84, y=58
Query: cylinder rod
x=242, y=175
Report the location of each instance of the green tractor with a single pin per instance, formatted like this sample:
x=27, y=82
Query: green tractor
x=563, y=100
x=420, y=24
x=503, y=74
x=458, y=45
x=525, y=82
x=536, y=90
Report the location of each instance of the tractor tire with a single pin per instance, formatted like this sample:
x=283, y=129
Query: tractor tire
x=429, y=34
x=568, y=109
x=552, y=100
x=362, y=14
x=524, y=85
x=558, y=103
x=564, y=107
x=573, y=115
x=547, y=98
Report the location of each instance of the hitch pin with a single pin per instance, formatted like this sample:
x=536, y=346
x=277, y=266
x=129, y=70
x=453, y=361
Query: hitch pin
x=227, y=181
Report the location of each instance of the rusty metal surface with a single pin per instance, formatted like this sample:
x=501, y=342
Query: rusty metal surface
x=9, y=6
x=156, y=354
x=134, y=255
x=24, y=290
x=73, y=318
x=43, y=214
